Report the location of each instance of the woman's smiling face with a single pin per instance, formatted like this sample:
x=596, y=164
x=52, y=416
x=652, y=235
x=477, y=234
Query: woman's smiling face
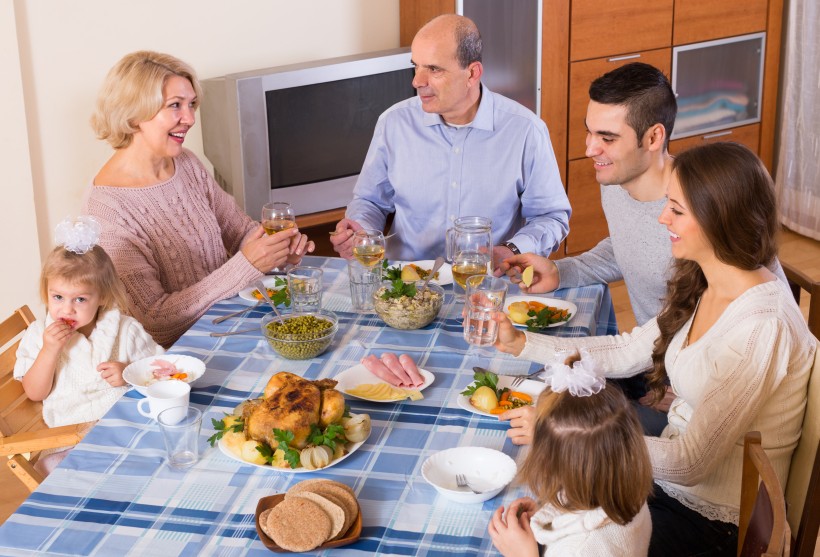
x=165, y=133
x=688, y=240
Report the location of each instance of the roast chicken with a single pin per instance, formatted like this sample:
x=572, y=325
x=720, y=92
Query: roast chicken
x=294, y=404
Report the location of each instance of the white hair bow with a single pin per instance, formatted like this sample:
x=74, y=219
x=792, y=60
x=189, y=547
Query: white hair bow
x=584, y=378
x=79, y=235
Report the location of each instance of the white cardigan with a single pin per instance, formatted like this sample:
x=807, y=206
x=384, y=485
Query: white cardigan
x=748, y=372
x=79, y=394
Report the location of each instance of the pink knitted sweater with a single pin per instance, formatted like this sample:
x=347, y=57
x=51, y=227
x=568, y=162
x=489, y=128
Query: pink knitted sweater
x=175, y=246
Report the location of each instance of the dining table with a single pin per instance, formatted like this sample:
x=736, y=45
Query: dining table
x=115, y=495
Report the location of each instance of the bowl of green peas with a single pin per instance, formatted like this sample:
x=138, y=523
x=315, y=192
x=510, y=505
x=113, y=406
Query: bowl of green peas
x=300, y=336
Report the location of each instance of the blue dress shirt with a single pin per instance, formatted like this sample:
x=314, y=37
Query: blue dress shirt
x=500, y=166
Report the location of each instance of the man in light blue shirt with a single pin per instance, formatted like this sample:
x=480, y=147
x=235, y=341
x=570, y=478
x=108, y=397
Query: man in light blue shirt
x=455, y=150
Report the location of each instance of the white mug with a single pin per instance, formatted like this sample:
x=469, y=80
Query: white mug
x=163, y=395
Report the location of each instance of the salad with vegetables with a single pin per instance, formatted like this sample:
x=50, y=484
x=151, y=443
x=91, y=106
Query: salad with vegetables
x=485, y=395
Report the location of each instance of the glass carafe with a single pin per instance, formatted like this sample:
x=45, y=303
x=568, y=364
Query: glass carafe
x=470, y=248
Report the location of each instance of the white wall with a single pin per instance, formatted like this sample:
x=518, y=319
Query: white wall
x=63, y=51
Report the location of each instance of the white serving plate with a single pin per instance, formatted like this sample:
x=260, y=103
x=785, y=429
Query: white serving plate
x=530, y=387
x=554, y=302
x=359, y=375
x=445, y=273
x=139, y=374
x=487, y=470
x=269, y=282
x=353, y=448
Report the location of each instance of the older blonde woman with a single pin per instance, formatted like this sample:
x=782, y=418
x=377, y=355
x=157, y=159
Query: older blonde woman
x=179, y=242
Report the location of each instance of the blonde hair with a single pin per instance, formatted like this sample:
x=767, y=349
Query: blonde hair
x=589, y=452
x=93, y=268
x=132, y=93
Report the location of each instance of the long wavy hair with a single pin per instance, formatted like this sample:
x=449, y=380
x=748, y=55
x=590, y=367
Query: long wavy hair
x=589, y=452
x=731, y=196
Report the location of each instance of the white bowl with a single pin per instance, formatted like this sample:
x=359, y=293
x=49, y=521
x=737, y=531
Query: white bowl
x=487, y=470
x=139, y=374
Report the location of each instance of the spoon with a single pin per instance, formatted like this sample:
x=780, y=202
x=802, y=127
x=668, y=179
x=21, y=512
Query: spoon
x=436, y=266
x=264, y=291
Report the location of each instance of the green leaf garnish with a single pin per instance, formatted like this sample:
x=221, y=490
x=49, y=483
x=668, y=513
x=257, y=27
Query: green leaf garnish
x=327, y=437
x=546, y=317
x=219, y=425
x=391, y=273
x=400, y=288
x=484, y=379
x=284, y=438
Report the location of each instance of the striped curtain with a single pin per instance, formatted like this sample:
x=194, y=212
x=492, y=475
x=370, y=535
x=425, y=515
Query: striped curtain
x=798, y=163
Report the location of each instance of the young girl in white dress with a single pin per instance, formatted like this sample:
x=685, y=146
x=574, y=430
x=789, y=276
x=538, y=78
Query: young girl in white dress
x=589, y=469
x=73, y=359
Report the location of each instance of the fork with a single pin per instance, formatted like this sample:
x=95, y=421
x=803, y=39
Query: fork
x=461, y=481
x=519, y=379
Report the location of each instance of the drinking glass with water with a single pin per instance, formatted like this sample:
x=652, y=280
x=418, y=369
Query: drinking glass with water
x=485, y=295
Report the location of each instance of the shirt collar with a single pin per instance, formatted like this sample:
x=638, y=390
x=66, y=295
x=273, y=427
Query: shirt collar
x=483, y=119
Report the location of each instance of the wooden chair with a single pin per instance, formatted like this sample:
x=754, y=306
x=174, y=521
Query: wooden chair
x=762, y=526
x=799, y=280
x=803, y=487
x=22, y=430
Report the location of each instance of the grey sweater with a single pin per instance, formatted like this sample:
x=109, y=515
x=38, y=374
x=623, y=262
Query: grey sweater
x=637, y=251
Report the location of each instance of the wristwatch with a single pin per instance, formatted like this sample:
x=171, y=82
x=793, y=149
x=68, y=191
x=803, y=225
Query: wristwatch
x=512, y=247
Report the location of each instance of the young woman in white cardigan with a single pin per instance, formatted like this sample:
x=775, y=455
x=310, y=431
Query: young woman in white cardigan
x=730, y=339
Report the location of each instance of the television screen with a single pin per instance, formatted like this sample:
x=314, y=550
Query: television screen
x=322, y=131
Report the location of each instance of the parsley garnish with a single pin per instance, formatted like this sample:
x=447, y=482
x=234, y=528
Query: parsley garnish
x=327, y=437
x=219, y=425
x=284, y=437
x=281, y=296
x=546, y=317
x=391, y=273
x=484, y=379
x=400, y=288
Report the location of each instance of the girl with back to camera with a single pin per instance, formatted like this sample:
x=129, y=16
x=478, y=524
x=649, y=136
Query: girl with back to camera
x=73, y=359
x=730, y=339
x=178, y=240
x=589, y=469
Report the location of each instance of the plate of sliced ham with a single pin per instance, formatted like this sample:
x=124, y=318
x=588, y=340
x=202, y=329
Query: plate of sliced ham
x=167, y=367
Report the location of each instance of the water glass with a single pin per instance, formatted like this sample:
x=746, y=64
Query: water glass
x=181, y=436
x=485, y=296
x=305, y=287
x=364, y=281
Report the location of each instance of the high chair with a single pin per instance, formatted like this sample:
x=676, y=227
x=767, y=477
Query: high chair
x=23, y=434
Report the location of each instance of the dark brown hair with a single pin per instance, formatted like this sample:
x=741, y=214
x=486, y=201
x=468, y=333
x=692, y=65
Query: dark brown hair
x=93, y=268
x=644, y=91
x=731, y=196
x=589, y=452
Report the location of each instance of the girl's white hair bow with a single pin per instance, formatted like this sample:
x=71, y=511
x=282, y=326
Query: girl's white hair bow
x=79, y=235
x=584, y=378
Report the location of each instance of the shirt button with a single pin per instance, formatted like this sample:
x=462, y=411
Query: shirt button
x=454, y=184
x=456, y=150
x=452, y=217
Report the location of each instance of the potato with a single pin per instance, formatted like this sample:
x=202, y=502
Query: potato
x=230, y=421
x=234, y=441
x=518, y=312
x=484, y=398
x=250, y=454
x=409, y=274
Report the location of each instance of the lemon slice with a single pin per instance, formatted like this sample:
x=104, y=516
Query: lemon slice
x=527, y=276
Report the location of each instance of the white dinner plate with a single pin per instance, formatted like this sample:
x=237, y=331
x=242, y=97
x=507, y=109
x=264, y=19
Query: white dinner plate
x=270, y=282
x=359, y=375
x=140, y=374
x=554, y=302
x=301, y=470
x=445, y=273
x=530, y=387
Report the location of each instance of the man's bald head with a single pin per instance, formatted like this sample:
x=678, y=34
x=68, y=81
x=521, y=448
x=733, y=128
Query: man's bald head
x=463, y=33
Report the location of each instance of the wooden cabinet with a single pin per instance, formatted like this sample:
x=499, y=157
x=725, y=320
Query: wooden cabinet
x=600, y=29
x=583, y=39
x=704, y=20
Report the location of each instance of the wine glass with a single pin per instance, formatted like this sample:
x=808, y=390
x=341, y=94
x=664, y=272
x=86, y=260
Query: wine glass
x=277, y=216
x=368, y=247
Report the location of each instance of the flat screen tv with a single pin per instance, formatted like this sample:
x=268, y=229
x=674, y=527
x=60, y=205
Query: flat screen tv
x=299, y=133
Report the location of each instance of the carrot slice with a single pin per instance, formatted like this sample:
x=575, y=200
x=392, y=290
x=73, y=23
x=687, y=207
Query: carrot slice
x=536, y=306
x=498, y=410
x=524, y=397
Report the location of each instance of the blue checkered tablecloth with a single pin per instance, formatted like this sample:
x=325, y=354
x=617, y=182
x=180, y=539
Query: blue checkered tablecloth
x=114, y=494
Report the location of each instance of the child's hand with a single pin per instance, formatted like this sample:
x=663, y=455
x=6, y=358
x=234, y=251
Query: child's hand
x=112, y=373
x=511, y=533
x=56, y=336
x=522, y=424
